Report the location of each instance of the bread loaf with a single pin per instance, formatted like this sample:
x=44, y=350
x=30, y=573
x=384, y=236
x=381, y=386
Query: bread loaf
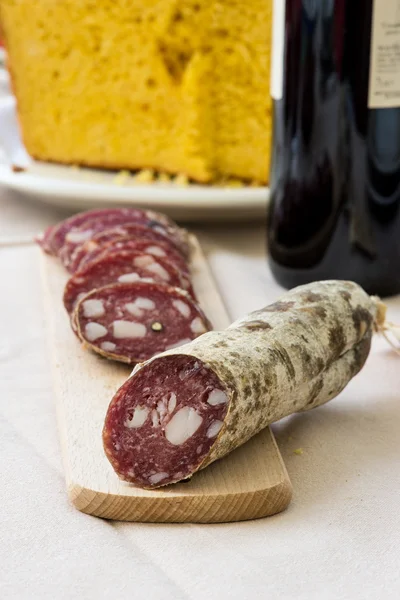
x=180, y=86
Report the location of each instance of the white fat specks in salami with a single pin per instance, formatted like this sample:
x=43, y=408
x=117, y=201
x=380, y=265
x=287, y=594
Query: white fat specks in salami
x=128, y=277
x=159, y=271
x=108, y=346
x=182, y=308
x=183, y=425
x=156, y=250
x=139, y=307
x=128, y=330
x=197, y=326
x=217, y=397
x=156, y=478
x=93, y=308
x=214, y=429
x=139, y=320
x=94, y=331
x=78, y=237
x=291, y=356
x=157, y=439
x=172, y=402
x=144, y=260
x=139, y=417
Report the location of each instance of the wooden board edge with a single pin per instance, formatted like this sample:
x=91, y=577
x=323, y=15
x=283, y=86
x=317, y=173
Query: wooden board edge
x=217, y=508
x=255, y=505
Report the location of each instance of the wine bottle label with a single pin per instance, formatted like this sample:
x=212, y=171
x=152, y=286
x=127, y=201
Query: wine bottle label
x=278, y=48
x=384, y=77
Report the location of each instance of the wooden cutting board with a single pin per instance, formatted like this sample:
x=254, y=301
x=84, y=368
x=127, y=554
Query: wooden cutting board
x=251, y=482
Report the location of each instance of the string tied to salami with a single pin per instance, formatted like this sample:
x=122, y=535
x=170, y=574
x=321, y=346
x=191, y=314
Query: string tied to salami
x=390, y=331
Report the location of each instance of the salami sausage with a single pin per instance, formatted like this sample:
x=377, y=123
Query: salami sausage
x=133, y=237
x=120, y=266
x=130, y=322
x=77, y=237
x=191, y=406
x=54, y=237
x=151, y=248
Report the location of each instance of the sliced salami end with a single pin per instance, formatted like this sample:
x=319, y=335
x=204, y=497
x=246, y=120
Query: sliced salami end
x=131, y=322
x=162, y=423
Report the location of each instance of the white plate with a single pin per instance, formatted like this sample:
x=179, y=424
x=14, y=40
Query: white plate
x=80, y=189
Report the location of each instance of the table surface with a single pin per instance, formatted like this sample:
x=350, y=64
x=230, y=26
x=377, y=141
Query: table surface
x=339, y=539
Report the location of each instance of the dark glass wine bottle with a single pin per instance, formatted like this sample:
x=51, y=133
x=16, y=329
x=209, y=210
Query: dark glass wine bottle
x=335, y=175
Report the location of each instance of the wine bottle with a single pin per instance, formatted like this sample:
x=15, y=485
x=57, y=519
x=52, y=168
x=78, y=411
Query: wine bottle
x=335, y=175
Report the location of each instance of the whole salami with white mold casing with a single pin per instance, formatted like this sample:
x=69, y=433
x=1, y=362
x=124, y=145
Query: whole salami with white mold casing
x=188, y=407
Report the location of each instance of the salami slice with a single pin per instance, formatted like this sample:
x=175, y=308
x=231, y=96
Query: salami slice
x=74, y=239
x=130, y=236
x=189, y=407
x=124, y=266
x=146, y=247
x=54, y=236
x=131, y=322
